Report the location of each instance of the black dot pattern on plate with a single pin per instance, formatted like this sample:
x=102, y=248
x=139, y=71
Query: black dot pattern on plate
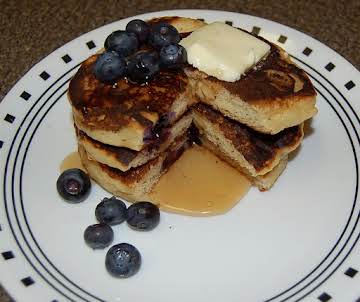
x=66, y=58
x=324, y=297
x=282, y=39
x=255, y=30
x=329, y=66
x=25, y=95
x=307, y=51
x=229, y=23
x=90, y=44
x=351, y=272
x=1, y=144
x=28, y=281
x=8, y=255
x=350, y=85
x=44, y=75
x=9, y=118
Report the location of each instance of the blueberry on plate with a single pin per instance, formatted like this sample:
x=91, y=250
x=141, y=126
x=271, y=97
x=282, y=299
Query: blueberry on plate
x=143, y=66
x=140, y=28
x=98, y=236
x=111, y=211
x=109, y=66
x=124, y=43
x=143, y=216
x=162, y=34
x=73, y=185
x=123, y=260
x=172, y=56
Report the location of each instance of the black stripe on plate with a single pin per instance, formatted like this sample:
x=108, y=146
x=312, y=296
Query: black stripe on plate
x=28, y=281
x=1, y=144
x=282, y=39
x=307, y=51
x=90, y=44
x=329, y=66
x=350, y=85
x=44, y=75
x=229, y=23
x=324, y=297
x=255, y=30
x=25, y=95
x=8, y=255
x=351, y=272
x=66, y=58
x=9, y=118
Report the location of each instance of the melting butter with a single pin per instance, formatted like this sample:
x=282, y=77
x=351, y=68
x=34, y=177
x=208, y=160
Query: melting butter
x=223, y=51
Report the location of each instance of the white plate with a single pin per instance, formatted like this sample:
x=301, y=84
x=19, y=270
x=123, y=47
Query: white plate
x=297, y=242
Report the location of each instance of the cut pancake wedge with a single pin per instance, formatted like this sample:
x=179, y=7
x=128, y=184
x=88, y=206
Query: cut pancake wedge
x=262, y=182
x=136, y=183
x=256, y=153
x=124, y=158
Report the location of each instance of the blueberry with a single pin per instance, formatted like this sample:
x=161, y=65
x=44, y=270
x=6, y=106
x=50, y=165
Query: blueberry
x=123, y=260
x=143, y=66
x=143, y=216
x=111, y=211
x=109, y=67
x=73, y=185
x=98, y=236
x=140, y=28
x=124, y=43
x=172, y=56
x=162, y=34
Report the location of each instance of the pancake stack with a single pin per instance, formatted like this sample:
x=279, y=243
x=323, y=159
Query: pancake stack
x=130, y=134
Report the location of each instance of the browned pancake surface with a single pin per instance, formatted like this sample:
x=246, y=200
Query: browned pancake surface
x=272, y=79
x=257, y=148
x=111, y=107
x=124, y=155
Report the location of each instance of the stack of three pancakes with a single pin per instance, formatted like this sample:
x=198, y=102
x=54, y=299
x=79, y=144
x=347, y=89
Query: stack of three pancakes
x=130, y=134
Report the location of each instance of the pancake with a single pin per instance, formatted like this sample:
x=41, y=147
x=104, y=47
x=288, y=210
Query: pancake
x=125, y=114
x=129, y=134
x=136, y=183
x=262, y=182
x=256, y=153
x=124, y=158
x=274, y=95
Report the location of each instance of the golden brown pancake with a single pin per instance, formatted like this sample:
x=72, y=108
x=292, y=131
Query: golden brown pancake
x=256, y=153
x=124, y=114
x=252, y=123
x=124, y=158
x=136, y=183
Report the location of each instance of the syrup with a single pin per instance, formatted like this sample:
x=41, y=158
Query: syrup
x=71, y=161
x=199, y=184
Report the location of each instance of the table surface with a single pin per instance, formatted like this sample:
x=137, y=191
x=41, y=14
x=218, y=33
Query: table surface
x=33, y=29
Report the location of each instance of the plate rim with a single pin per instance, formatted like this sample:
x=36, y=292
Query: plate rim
x=40, y=62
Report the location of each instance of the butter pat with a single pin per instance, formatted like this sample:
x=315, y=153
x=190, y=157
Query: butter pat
x=223, y=51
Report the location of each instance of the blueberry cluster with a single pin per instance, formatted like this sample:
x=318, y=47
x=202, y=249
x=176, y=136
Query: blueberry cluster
x=122, y=260
x=139, y=52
